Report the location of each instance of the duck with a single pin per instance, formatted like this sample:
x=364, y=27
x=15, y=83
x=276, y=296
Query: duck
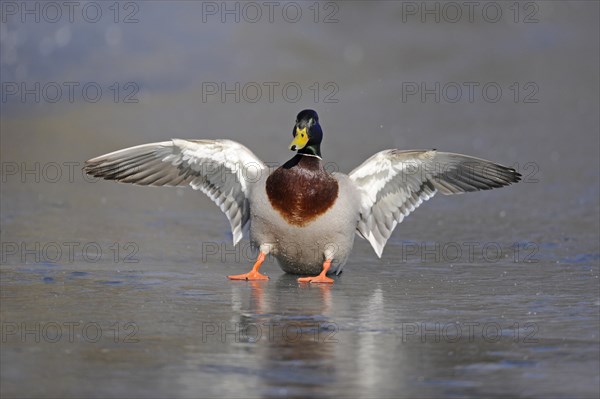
x=300, y=213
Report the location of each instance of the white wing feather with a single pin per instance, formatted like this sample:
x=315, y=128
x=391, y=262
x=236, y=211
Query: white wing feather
x=222, y=169
x=394, y=183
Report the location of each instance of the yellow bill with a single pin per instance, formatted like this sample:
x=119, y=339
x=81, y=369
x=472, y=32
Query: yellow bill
x=300, y=139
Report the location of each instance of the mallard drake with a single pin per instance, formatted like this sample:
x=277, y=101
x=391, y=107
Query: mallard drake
x=301, y=214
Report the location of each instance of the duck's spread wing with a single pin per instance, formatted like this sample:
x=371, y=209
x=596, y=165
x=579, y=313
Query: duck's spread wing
x=394, y=183
x=222, y=169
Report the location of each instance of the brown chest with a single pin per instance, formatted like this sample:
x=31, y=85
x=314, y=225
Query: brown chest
x=301, y=191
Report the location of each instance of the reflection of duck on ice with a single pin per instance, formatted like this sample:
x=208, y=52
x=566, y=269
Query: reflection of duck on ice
x=264, y=314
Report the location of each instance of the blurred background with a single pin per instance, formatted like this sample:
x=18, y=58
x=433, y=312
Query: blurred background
x=512, y=82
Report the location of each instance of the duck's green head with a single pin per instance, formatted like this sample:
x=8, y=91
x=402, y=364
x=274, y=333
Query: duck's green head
x=307, y=134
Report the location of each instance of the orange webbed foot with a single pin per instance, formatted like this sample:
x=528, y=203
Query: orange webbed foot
x=250, y=276
x=321, y=278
